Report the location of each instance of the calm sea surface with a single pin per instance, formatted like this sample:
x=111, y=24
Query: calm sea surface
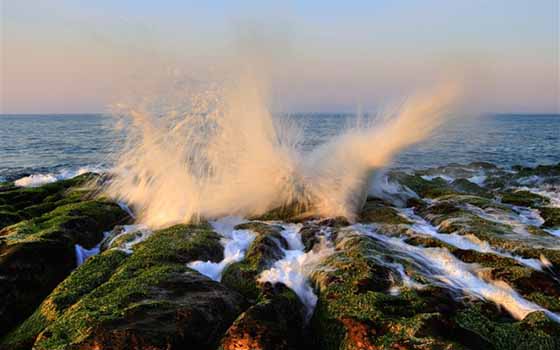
x=54, y=143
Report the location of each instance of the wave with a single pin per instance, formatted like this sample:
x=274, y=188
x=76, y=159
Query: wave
x=219, y=151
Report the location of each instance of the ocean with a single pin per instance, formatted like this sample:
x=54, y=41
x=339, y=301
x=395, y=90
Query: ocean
x=58, y=144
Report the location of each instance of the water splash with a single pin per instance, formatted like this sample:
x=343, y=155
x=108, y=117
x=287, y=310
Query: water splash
x=217, y=150
x=295, y=268
x=235, y=242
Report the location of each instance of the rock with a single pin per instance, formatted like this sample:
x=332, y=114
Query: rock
x=356, y=311
x=262, y=253
x=424, y=188
x=536, y=331
x=467, y=187
x=377, y=211
x=524, y=199
x=93, y=273
x=37, y=254
x=482, y=165
x=146, y=300
x=294, y=212
x=551, y=216
x=21, y=203
x=274, y=323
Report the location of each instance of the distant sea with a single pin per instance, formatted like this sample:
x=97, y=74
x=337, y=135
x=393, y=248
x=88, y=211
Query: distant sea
x=54, y=144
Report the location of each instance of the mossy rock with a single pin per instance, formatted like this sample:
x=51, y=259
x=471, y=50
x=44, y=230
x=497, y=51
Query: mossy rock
x=37, y=254
x=26, y=203
x=93, y=273
x=377, y=211
x=535, y=331
x=296, y=211
x=355, y=309
x=424, y=188
x=275, y=322
x=262, y=253
x=524, y=199
x=8, y=217
x=149, y=298
x=551, y=216
x=540, y=170
x=467, y=187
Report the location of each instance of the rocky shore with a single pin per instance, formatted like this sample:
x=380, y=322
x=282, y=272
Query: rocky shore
x=454, y=257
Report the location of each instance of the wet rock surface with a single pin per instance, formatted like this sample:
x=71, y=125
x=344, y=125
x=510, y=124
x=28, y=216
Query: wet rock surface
x=460, y=257
x=37, y=253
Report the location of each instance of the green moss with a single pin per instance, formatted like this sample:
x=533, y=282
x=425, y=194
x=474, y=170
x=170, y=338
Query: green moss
x=540, y=170
x=94, y=272
x=375, y=211
x=465, y=186
x=536, y=331
x=178, y=244
x=25, y=203
x=81, y=222
x=354, y=300
x=274, y=322
x=551, y=216
x=140, y=284
x=38, y=253
x=428, y=189
x=524, y=198
x=291, y=212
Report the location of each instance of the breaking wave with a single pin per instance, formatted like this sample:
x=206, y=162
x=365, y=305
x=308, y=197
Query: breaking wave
x=217, y=150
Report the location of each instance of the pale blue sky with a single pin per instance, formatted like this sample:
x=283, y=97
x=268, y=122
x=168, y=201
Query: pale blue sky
x=76, y=56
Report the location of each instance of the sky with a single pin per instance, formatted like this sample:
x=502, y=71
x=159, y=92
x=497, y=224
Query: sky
x=80, y=56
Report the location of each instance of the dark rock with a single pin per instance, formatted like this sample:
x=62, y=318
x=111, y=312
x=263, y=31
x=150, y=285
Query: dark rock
x=146, y=300
x=551, y=216
x=524, y=199
x=377, y=211
x=274, y=323
x=37, y=254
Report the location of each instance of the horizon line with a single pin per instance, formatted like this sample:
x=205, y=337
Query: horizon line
x=285, y=113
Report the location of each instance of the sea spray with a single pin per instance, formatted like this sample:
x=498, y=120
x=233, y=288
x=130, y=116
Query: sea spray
x=217, y=150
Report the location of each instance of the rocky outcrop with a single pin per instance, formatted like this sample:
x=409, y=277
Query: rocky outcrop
x=382, y=288
x=38, y=253
x=148, y=300
x=275, y=322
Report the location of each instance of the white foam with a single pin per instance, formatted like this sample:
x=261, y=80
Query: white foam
x=126, y=208
x=142, y=233
x=465, y=242
x=393, y=192
x=446, y=178
x=554, y=232
x=36, y=180
x=235, y=247
x=296, y=266
x=235, y=242
x=442, y=267
x=82, y=253
x=477, y=179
